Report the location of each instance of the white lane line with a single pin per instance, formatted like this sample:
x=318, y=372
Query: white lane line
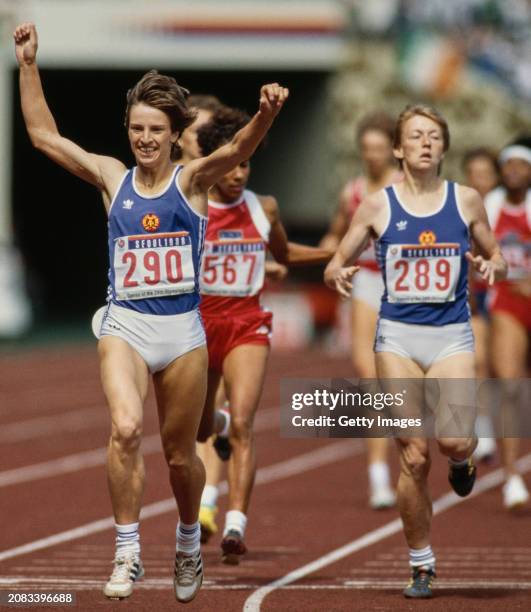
x=265, y=420
x=489, y=481
x=284, y=469
x=73, y=421
x=165, y=583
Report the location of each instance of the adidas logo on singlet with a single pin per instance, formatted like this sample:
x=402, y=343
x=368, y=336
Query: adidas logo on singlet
x=401, y=225
x=128, y=204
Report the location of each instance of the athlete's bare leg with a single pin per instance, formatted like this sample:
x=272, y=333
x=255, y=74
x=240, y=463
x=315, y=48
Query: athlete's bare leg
x=509, y=348
x=213, y=464
x=244, y=371
x=364, y=319
x=480, y=328
x=181, y=391
x=124, y=376
x=414, y=501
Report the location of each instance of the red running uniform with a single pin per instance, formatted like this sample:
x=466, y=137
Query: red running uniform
x=232, y=277
x=512, y=227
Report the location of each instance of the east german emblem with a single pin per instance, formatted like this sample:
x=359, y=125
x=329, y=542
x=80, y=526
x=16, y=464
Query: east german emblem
x=150, y=222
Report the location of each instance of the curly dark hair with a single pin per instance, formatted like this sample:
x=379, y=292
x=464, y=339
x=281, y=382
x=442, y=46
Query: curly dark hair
x=163, y=93
x=221, y=128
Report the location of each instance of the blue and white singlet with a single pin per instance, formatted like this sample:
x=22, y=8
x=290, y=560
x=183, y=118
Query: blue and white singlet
x=155, y=249
x=422, y=258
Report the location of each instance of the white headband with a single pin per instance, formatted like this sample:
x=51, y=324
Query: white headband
x=515, y=152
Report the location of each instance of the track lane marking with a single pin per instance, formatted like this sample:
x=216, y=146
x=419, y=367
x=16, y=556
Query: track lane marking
x=272, y=473
x=446, y=501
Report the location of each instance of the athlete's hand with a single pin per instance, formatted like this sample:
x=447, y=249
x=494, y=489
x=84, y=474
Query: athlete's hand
x=340, y=279
x=26, y=43
x=486, y=268
x=272, y=98
x=275, y=271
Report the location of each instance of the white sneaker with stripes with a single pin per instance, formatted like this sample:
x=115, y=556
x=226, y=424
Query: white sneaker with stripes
x=188, y=576
x=127, y=570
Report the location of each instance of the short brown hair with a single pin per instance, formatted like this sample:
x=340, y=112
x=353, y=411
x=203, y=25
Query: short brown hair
x=376, y=122
x=221, y=128
x=425, y=111
x=204, y=102
x=165, y=94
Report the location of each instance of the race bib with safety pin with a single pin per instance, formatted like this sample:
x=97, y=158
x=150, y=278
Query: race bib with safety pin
x=153, y=266
x=233, y=268
x=422, y=273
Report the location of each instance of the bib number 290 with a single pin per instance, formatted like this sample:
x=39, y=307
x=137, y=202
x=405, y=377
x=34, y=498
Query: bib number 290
x=170, y=268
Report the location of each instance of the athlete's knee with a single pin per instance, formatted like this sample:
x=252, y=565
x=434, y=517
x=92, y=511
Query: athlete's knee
x=415, y=459
x=457, y=447
x=127, y=435
x=241, y=429
x=179, y=459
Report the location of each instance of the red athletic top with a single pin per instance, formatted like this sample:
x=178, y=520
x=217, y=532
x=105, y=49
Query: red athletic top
x=233, y=266
x=511, y=225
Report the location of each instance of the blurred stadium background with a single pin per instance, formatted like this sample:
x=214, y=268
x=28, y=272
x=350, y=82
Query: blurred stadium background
x=340, y=59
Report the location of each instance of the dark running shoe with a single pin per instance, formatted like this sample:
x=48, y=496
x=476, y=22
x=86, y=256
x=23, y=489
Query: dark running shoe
x=223, y=448
x=462, y=477
x=420, y=584
x=232, y=547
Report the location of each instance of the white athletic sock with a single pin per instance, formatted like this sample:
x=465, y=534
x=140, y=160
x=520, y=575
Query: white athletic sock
x=188, y=537
x=379, y=475
x=209, y=497
x=422, y=557
x=127, y=538
x=458, y=462
x=224, y=433
x=237, y=520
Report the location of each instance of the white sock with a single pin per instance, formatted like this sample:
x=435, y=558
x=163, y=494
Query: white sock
x=188, y=538
x=127, y=538
x=484, y=428
x=422, y=557
x=224, y=433
x=209, y=497
x=379, y=475
x=237, y=520
x=458, y=462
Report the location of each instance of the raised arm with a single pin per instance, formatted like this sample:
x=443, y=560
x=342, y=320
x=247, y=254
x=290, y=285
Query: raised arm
x=199, y=175
x=489, y=263
x=367, y=222
x=103, y=172
x=289, y=253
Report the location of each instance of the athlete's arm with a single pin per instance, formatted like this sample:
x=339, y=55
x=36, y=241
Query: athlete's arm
x=284, y=252
x=366, y=222
x=200, y=174
x=340, y=222
x=489, y=263
x=103, y=172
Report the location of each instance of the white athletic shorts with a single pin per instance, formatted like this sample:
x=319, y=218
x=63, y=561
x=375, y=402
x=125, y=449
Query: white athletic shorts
x=159, y=339
x=424, y=344
x=368, y=287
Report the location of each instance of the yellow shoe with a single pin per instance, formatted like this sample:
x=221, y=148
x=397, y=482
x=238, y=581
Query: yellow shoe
x=207, y=520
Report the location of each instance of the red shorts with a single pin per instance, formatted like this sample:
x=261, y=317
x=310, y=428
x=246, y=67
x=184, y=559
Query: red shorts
x=225, y=333
x=503, y=299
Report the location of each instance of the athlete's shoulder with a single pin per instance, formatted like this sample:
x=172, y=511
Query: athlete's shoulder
x=269, y=205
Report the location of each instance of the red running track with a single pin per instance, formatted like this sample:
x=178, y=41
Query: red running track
x=314, y=544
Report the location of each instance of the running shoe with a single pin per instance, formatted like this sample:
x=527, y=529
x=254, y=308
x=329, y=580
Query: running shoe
x=420, y=584
x=462, y=477
x=233, y=547
x=127, y=570
x=207, y=522
x=188, y=576
x=382, y=498
x=223, y=447
x=515, y=493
